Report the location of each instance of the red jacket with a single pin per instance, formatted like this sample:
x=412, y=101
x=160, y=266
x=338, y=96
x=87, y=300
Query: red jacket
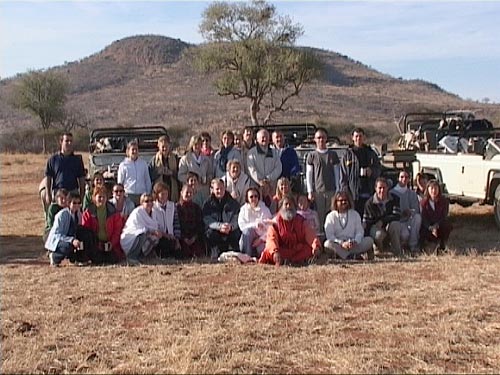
x=114, y=226
x=438, y=215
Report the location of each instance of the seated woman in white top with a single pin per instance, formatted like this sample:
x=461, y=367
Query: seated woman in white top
x=345, y=235
x=141, y=233
x=254, y=219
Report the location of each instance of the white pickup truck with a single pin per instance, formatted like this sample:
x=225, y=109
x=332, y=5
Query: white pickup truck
x=459, y=150
x=467, y=177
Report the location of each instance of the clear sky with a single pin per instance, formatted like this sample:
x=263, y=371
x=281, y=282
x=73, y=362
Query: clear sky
x=453, y=44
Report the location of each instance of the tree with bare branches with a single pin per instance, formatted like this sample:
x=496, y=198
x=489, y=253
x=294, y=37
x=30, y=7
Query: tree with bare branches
x=251, y=49
x=43, y=94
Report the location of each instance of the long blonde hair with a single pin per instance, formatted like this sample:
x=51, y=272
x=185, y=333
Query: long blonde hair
x=283, y=180
x=195, y=139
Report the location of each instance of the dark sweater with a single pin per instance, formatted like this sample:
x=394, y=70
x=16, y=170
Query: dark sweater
x=375, y=211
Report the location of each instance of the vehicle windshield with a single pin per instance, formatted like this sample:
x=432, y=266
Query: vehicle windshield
x=114, y=160
x=492, y=149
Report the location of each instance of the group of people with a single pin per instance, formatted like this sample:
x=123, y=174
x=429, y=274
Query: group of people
x=244, y=197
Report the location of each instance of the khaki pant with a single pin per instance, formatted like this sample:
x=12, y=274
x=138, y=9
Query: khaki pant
x=391, y=230
x=360, y=248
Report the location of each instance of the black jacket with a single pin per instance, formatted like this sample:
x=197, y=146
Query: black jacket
x=216, y=212
x=375, y=211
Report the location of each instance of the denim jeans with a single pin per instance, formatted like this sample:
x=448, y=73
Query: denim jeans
x=63, y=250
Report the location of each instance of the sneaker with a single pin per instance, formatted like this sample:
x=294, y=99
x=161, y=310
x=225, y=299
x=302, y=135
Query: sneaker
x=82, y=264
x=133, y=262
x=52, y=261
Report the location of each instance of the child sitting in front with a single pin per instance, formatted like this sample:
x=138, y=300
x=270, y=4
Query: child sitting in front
x=53, y=209
x=307, y=213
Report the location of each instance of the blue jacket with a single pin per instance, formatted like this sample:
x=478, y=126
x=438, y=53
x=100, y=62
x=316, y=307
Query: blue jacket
x=60, y=229
x=289, y=163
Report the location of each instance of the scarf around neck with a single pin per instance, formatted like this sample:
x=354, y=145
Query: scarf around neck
x=224, y=152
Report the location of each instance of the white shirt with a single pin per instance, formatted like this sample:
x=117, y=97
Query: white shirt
x=250, y=217
x=339, y=231
x=134, y=175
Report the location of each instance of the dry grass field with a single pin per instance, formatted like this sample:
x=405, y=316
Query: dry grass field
x=424, y=315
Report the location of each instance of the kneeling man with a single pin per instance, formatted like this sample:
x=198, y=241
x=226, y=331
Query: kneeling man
x=220, y=214
x=290, y=238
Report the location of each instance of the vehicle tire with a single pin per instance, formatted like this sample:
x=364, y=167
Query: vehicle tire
x=496, y=206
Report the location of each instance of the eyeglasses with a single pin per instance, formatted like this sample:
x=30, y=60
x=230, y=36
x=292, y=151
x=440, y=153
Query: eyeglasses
x=118, y=191
x=342, y=201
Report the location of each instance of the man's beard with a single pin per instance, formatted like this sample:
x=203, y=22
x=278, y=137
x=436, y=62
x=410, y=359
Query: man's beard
x=288, y=214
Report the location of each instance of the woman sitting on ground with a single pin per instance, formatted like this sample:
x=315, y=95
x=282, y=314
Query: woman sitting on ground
x=193, y=182
x=63, y=240
x=237, y=182
x=434, y=208
x=106, y=224
x=97, y=182
x=283, y=188
x=60, y=203
x=420, y=184
x=165, y=213
x=254, y=220
x=123, y=204
x=141, y=233
x=345, y=235
x=192, y=226
x=307, y=213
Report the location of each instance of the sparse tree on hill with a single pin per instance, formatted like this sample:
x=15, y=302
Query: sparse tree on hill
x=43, y=94
x=75, y=119
x=251, y=50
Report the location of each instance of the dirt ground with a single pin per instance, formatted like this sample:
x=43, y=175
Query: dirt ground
x=428, y=314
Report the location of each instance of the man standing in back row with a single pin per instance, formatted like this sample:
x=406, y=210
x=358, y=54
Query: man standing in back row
x=263, y=162
x=290, y=167
x=359, y=169
x=64, y=170
x=322, y=174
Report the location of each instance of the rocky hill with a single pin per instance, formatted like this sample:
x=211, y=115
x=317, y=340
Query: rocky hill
x=148, y=80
